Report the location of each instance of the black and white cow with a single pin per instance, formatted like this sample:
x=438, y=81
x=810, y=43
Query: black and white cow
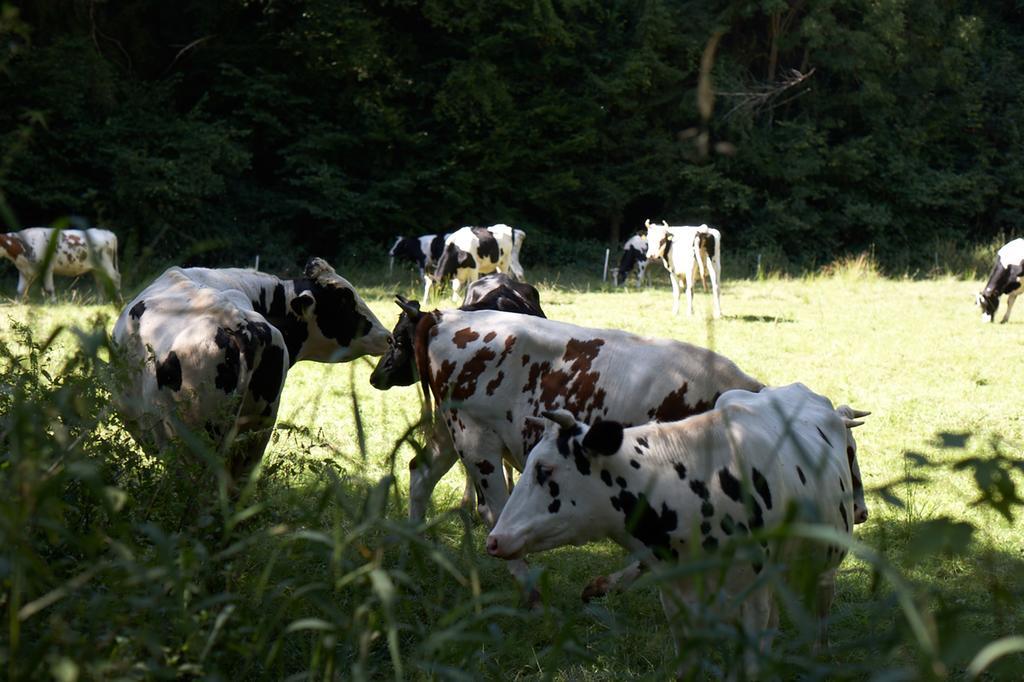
x=470, y=252
x=423, y=251
x=1006, y=278
x=686, y=252
x=487, y=372
x=209, y=349
x=77, y=252
x=634, y=255
x=711, y=483
x=397, y=368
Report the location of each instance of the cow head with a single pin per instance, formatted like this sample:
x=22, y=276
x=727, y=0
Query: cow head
x=341, y=326
x=988, y=301
x=398, y=367
x=658, y=239
x=560, y=499
x=850, y=416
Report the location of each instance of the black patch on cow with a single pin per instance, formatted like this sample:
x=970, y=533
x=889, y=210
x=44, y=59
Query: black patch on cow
x=842, y=486
x=707, y=509
x=488, y=245
x=555, y=506
x=229, y=370
x=580, y=458
x=606, y=477
x=645, y=524
x=680, y=470
x=337, y=316
x=136, y=310
x=564, y=436
x=620, y=481
x=604, y=438
x=635, y=464
x=710, y=543
x=800, y=473
x=846, y=521
x=699, y=489
x=757, y=566
x=730, y=484
x=553, y=488
x=265, y=383
x=277, y=303
x=436, y=247
x=642, y=442
x=728, y=524
x=485, y=467
x=542, y=474
x=168, y=372
x=823, y=436
x=757, y=520
x=761, y=486
x=484, y=483
x=705, y=527
x=742, y=527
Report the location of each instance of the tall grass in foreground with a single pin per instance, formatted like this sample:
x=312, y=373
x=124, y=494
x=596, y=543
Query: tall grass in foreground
x=118, y=565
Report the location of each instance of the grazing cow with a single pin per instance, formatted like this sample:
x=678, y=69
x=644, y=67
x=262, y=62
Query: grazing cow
x=77, y=252
x=397, y=368
x=1006, y=278
x=488, y=371
x=673, y=492
x=423, y=251
x=687, y=251
x=210, y=349
x=473, y=251
x=634, y=254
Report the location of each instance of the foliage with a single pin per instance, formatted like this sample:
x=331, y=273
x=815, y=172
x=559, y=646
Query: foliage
x=203, y=129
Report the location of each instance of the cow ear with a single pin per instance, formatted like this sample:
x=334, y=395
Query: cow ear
x=604, y=438
x=303, y=304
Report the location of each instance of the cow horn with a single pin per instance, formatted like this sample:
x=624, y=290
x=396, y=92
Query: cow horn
x=647, y=223
x=852, y=423
x=857, y=414
x=563, y=418
x=411, y=308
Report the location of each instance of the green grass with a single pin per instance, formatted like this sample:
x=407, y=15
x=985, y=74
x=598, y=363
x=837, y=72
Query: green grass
x=912, y=352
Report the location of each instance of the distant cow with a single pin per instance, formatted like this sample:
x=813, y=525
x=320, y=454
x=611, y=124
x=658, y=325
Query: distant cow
x=1006, y=278
x=489, y=371
x=397, y=368
x=634, y=255
x=671, y=493
x=77, y=252
x=687, y=251
x=209, y=350
x=423, y=251
x=470, y=252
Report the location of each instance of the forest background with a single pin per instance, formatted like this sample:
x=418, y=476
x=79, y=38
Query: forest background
x=208, y=132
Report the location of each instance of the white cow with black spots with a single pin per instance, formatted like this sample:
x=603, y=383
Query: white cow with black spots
x=209, y=349
x=76, y=253
x=470, y=252
x=673, y=492
x=687, y=252
x=1006, y=278
x=634, y=255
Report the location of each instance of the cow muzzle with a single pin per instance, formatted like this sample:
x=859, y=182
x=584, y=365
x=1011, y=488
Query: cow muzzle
x=501, y=547
x=860, y=514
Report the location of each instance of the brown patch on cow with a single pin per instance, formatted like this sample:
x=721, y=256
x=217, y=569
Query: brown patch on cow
x=439, y=382
x=510, y=341
x=532, y=432
x=494, y=383
x=12, y=244
x=490, y=336
x=577, y=386
x=485, y=467
x=464, y=337
x=537, y=370
x=508, y=416
x=526, y=359
x=465, y=383
x=674, y=407
x=426, y=329
x=73, y=239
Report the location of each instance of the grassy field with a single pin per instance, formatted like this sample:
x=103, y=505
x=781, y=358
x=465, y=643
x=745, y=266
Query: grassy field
x=941, y=386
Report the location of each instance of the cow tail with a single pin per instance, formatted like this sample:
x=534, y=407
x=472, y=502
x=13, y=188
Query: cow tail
x=422, y=347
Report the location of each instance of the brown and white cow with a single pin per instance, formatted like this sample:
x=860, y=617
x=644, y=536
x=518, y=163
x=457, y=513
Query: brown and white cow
x=489, y=371
x=76, y=252
x=470, y=252
x=719, y=482
x=1006, y=278
x=209, y=349
x=686, y=252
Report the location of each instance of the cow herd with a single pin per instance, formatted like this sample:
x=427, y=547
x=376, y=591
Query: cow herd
x=668, y=449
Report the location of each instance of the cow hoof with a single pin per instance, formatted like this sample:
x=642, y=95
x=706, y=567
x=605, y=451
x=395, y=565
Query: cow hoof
x=598, y=587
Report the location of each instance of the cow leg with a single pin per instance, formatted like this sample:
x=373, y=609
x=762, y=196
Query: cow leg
x=675, y=292
x=826, y=593
x=423, y=476
x=689, y=291
x=24, y=282
x=1009, y=305
x=48, y=288
x=756, y=613
x=614, y=582
x=426, y=289
x=715, y=275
